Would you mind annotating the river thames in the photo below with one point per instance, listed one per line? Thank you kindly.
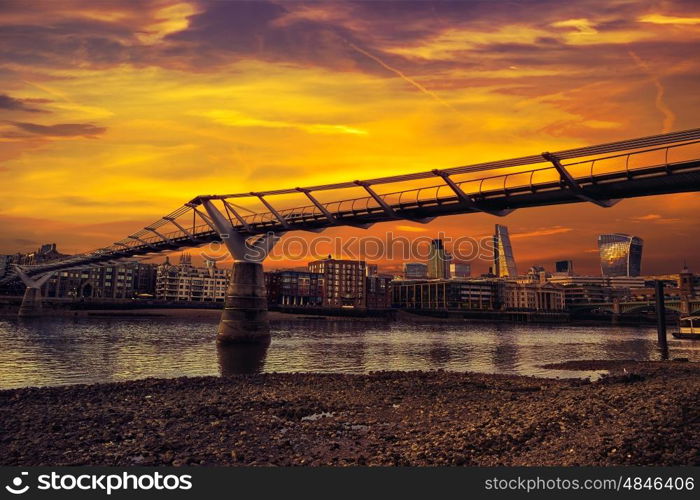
(60, 351)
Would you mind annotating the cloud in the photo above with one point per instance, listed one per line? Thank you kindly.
(411, 229)
(538, 233)
(669, 116)
(236, 119)
(663, 19)
(61, 130)
(659, 219)
(401, 75)
(84, 201)
(647, 217)
(168, 20)
(13, 104)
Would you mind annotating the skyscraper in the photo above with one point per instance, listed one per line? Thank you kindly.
(564, 266)
(438, 261)
(620, 254)
(503, 260)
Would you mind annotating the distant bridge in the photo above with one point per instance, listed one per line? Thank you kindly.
(602, 175)
(682, 306)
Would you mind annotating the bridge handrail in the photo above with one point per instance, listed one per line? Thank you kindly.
(479, 167)
(481, 180)
(631, 153)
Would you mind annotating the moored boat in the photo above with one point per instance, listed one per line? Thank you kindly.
(689, 328)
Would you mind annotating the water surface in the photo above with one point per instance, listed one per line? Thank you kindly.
(58, 351)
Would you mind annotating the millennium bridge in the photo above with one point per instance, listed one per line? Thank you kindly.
(250, 223)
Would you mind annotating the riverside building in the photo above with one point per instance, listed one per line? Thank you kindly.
(344, 283)
(447, 294)
(185, 282)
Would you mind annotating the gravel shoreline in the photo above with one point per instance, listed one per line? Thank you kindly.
(643, 413)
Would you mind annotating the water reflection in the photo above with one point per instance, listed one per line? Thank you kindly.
(59, 351)
(241, 359)
(505, 353)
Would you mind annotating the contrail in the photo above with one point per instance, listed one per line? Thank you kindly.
(404, 77)
(669, 116)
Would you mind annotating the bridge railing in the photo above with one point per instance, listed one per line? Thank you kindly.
(481, 188)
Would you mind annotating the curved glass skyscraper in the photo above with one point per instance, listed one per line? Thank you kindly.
(620, 254)
(503, 260)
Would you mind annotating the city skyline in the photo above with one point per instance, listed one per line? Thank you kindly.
(484, 264)
(111, 112)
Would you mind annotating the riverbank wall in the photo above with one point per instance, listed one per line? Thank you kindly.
(9, 306)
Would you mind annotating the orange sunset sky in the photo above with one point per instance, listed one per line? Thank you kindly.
(115, 113)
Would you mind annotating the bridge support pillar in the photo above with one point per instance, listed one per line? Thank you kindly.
(31, 305)
(244, 318)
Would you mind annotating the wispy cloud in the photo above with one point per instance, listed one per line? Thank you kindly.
(14, 104)
(663, 19)
(656, 218)
(236, 119)
(61, 129)
(647, 217)
(669, 116)
(538, 233)
(401, 75)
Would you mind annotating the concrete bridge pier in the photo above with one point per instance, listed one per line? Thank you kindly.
(244, 318)
(31, 305)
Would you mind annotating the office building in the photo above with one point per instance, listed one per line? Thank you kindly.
(607, 281)
(294, 288)
(460, 270)
(185, 282)
(447, 294)
(534, 297)
(343, 282)
(415, 270)
(620, 254)
(125, 280)
(378, 289)
(438, 261)
(586, 293)
(503, 260)
(564, 267)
